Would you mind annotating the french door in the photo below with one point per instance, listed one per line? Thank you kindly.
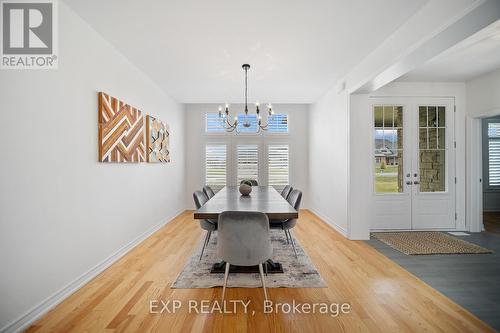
(414, 163)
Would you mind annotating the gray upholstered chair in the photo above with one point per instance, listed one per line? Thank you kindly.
(200, 199)
(252, 181)
(243, 240)
(294, 199)
(286, 191)
(208, 191)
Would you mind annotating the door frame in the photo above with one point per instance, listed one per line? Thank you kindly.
(409, 101)
(474, 169)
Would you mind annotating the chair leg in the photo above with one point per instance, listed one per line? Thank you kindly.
(263, 281)
(207, 237)
(226, 274)
(293, 243)
(286, 234)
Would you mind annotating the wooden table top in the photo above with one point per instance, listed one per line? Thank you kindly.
(263, 199)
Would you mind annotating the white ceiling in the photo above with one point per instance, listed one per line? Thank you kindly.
(194, 49)
(474, 56)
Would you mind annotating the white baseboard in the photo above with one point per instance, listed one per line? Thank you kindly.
(329, 222)
(43, 307)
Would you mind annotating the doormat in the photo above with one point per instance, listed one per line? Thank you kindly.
(427, 242)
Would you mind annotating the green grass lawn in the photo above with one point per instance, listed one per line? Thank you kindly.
(386, 184)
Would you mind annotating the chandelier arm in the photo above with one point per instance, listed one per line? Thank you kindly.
(233, 127)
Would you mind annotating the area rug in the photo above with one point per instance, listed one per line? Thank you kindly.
(298, 273)
(427, 242)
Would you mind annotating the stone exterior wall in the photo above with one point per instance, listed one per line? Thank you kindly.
(399, 161)
(432, 163)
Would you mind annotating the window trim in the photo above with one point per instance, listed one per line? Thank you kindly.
(486, 158)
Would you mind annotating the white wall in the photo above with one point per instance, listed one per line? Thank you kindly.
(328, 159)
(61, 212)
(483, 99)
(361, 156)
(483, 94)
(298, 118)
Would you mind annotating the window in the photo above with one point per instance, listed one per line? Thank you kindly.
(278, 166)
(215, 166)
(432, 148)
(493, 152)
(388, 122)
(248, 162)
(213, 123)
(247, 123)
(278, 123)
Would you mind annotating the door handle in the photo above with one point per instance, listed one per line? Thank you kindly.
(408, 183)
(416, 182)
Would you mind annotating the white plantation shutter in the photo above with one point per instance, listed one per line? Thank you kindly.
(494, 154)
(213, 123)
(278, 166)
(215, 166)
(248, 162)
(278, 123)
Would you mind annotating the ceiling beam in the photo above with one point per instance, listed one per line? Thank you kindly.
(434, 29)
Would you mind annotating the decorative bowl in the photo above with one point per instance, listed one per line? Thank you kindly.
(245, 189)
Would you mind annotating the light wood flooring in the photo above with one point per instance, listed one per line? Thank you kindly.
(384, 297)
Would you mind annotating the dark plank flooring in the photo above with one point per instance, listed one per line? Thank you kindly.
(473, 281)
(492, 222)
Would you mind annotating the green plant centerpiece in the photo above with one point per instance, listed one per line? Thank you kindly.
(245, 187)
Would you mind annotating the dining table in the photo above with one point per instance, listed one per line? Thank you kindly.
(263, 199)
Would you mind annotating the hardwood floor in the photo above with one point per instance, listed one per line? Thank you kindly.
(383, 296)
(491, 222)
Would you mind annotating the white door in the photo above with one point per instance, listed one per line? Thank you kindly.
(433, 165)
(414, 169)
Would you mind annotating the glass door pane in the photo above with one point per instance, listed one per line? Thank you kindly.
(388, 154)
(432, 148)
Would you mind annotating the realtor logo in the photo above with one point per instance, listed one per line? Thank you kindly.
(29, 39)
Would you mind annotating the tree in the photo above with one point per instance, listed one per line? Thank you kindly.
(382, 164)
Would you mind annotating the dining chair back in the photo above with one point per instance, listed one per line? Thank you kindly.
(286, 191)
(243, 240)
(294, 199)
(208, 191)
(200, 199)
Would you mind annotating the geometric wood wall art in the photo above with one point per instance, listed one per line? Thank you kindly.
(121, 131)
(157, 140)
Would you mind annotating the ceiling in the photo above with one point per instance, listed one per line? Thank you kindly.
(474, 56)
(194, 49)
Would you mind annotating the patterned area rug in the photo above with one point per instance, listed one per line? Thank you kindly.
(298, 273)
(427, 242)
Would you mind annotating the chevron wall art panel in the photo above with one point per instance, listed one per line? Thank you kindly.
(157, 140)
(121, 131)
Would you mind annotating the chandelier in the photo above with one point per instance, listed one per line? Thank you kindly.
(224, 116)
